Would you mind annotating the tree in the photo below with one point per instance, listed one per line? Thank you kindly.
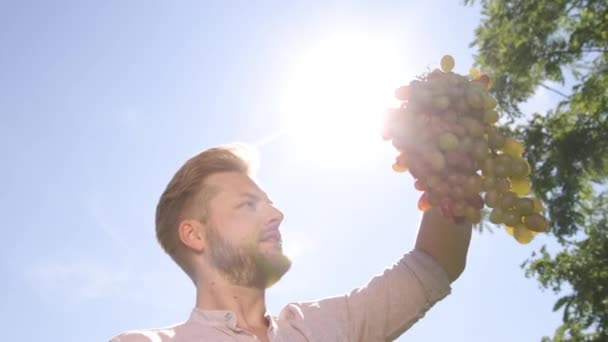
(529, 44)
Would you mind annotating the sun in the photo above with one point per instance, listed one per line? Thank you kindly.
(336, 95)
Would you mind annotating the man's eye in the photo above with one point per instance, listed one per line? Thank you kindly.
(249, 204)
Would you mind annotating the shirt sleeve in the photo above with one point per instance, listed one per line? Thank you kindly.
(383, 309)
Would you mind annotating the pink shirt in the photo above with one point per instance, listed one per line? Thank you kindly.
(382, 310)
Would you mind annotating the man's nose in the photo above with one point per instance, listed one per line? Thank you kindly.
(276, 215)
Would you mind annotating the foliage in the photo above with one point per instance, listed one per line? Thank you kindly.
(531, 44)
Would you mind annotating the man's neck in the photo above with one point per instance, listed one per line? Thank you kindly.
(247, 303)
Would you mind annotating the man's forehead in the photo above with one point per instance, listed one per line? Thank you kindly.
(234, 183)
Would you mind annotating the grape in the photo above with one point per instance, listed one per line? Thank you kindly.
(513, 147)
(456, 178)
(509, 199)
(448, 142)
(538, 205)
(441, 188)
(436, 160)
(475, 201)
(474, 97)
(472, 215)
(458, 192)
(520, 186)
(458, 209)
(490, 116)
(474, 73)
(520, 168)
(399, 168)
(446, 136)
(497, 216)
(459, 130)
(524, 206)
(473, 184)
(522, 234)
(489, 102)
(536, 222)
(441, 102)
(496, 140)
(488, 167)
(503, 166)
(419, 185)
(492, 198)
(466, 144)
(511, 218)
(502, 184)
(445, 205)
(489, 183)
(423, 202)
(447, 63)
(479, 150)
(473, 126)
(485, 80)
(402, 93)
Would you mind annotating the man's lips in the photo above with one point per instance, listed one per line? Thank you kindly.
(271, 234)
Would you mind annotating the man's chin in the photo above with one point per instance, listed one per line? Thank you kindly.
(273, 267)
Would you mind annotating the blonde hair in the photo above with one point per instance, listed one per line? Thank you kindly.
(187, 188)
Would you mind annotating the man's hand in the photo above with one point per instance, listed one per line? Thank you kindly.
(444, 240)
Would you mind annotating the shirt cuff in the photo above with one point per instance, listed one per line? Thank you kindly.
(434, 278)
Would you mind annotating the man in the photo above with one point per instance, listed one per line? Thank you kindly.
(223, 231)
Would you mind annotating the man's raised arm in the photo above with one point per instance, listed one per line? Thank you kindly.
(444, 240)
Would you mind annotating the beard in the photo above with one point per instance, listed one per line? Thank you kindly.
(246, 266)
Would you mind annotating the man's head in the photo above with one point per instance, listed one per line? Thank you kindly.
(213, 216)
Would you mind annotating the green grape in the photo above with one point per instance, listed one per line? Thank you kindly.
(522, 234)
(441, 102)
(436, 160)
(503, 165)
(492, 198)
(489, 183)
(490, 116)
(474, 127)
(472, 215)
(466, 144)
(513, 147)
(520, 168)
(509, 200)
(538, 205)
(447, 63)
(536, 222)
(448, 142)
(511, 218)
(495, 139)
(503, 184)
(520, 186)
(480, 149)
(473, 184)
(489, 102)
(488, 168)
(474, 97)
(524, 206)
(497, 216)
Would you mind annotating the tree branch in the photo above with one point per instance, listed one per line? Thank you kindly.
(554, 90)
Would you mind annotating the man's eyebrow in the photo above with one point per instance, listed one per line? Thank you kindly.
(256, 197)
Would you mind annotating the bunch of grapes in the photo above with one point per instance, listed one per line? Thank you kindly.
(446, 135)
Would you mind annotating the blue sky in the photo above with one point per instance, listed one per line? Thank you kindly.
(101, 102)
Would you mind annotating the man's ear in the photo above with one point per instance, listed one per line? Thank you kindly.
(191, 234)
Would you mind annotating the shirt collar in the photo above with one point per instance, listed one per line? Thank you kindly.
(226, 318)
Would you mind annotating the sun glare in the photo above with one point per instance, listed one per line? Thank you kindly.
(336, 96)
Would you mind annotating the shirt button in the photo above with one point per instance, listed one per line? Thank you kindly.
(228, 316)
